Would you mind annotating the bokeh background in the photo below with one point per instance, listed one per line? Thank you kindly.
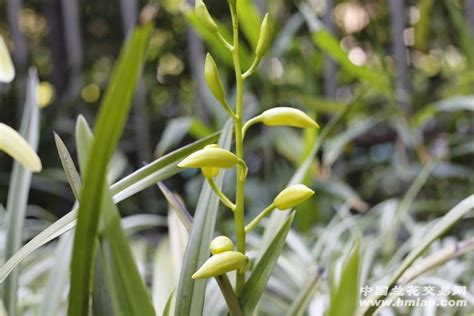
(408, 62)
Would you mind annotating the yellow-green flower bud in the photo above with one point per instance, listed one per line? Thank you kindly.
(221, 263)
(211, 74)
(221, 244)
(210, 157)
(7, 71)
(287, 116)
(209, 172)
(18, 148)
(205, 17)
(292, 196)
(265, 37)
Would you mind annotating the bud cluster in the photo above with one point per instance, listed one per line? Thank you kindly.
(211, 159)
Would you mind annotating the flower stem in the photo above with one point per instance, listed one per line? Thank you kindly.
(221, 195)
(259, 217)
(239, 215)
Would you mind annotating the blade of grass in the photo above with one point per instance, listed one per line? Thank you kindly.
(249, 20)
(110, 123)
(168, 310)
(177, 205)
(129, 294)
(406, 203)
(186, 220)
(141, 179)
(68, 166)
(345, 297)
(18, 192)
(190, 293)
(257, 282)
(442, 226)
(302, 301)
(102, 301)
(58, 277)
(164, 280)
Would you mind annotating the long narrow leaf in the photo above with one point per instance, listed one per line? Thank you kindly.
(141, 179)
(348, 288)
(443, 225)
(129, 292)
(257, 282)
(18, 192)
(110, 123)
(190, 293)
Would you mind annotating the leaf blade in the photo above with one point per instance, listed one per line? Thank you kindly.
(110, 123)
(255, 285)
(190, 293)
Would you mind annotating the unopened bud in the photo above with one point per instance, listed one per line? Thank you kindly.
(221, 244)
(211, 74)
(205, 17)
(18, 148)
(287, 116)
(7, 71)
(292, 196)
(221, 263)
(211, 158)
(210, 172)
(265, 38)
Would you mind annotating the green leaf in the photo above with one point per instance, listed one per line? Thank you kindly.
(110, 123)
(101, 298)
(441, 227)
(302, 301)
(128, 292)
(167, 311)
(257, 282)
(330, 45)
(177, 205)
(58, 277)
(164, 275)
(141, 179)
(344, 299)
(175, 131)
(68, 166)
(249, 20)
(190, 293)
(18, 192)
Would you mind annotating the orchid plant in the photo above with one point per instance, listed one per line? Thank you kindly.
(212, 159)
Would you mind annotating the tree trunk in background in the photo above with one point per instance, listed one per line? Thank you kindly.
(20, 51)
(72, 39)
(141, 125)
(330, 70)
(56, 45)
(470, 14)
(397, 17)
